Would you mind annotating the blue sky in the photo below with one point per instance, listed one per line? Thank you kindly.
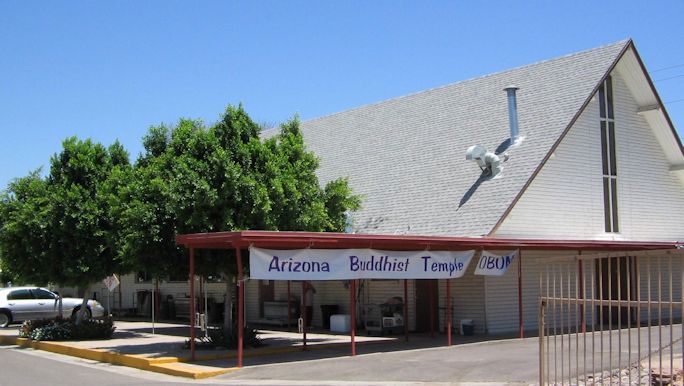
(109, 70)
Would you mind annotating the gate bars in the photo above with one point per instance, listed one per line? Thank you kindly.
(610, 318)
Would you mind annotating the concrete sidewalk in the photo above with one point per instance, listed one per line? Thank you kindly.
(135, 345)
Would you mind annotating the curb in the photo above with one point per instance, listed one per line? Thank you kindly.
(163, 365)
(261, 352)
(176, 366)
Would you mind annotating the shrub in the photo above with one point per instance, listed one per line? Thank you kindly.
(46, 329)
(30, 325)
(92, 329)
(219, 337)
(66, 329)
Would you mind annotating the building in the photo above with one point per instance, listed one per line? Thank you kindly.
(595, 157)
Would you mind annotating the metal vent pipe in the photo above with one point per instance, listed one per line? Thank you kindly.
(512, 113)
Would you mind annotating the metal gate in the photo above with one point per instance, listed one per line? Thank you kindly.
(611, 319)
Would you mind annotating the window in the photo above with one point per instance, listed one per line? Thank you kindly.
(609, 160)
(40, 293)
(20, 294)
(178, 277)
(143, 277)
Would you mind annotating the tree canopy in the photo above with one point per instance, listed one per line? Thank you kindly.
(222, 178)
(59, 229)
(95, 213)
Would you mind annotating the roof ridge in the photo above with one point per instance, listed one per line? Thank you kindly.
(618, 43)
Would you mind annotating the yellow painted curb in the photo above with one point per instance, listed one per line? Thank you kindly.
(175, 369)
(164, 365)
(259, 352)
(7, 340)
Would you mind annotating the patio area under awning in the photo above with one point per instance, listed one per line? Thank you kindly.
(240, 241)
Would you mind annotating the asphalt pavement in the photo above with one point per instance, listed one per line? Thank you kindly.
(327, 361)
(34, 367)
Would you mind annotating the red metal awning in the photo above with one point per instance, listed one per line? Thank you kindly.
(324, 240)
(329, 240)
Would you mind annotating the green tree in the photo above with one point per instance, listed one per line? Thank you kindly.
(60, 229)
(298, 202)
(25, 212)
(95, 214)
(223, 178)
(81, 195)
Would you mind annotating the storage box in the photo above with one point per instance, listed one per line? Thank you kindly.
(340, 323)
(467, 327)
(388, 322)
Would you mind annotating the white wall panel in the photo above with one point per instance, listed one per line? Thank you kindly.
(469, 298)
(502, 292)
(661, 275)
(565, 200)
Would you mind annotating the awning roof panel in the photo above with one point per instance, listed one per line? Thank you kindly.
(329, 240)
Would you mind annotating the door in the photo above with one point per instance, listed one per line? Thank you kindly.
(617, 282)
(426, 305)
(47, 306)
(21, 304)
(266, 294)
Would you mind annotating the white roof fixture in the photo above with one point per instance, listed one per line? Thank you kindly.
(476, 153)
(515, 139)
(489, 163)
(513, 114)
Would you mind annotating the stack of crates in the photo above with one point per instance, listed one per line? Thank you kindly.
(386, 318)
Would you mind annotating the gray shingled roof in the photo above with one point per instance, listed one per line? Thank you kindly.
(406, 156)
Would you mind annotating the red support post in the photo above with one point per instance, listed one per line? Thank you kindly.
(448, 313)
(580, 268)
(289, 306)
(520, 302)
(406, 329)
(241, 311)
(433, 300)
(191, 277)
(352, 289)
(201, 295)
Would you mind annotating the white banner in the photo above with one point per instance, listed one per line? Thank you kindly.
(494, 265)
(346, 264)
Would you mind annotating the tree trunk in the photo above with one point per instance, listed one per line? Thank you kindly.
(228, 304)
(119, 310)
(84, 305)
(60, 307)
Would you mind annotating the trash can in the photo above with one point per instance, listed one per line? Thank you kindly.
(328, 310)
(467, 327)
(143, 303)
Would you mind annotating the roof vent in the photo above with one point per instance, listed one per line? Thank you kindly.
(513, 114)
(489, 163)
